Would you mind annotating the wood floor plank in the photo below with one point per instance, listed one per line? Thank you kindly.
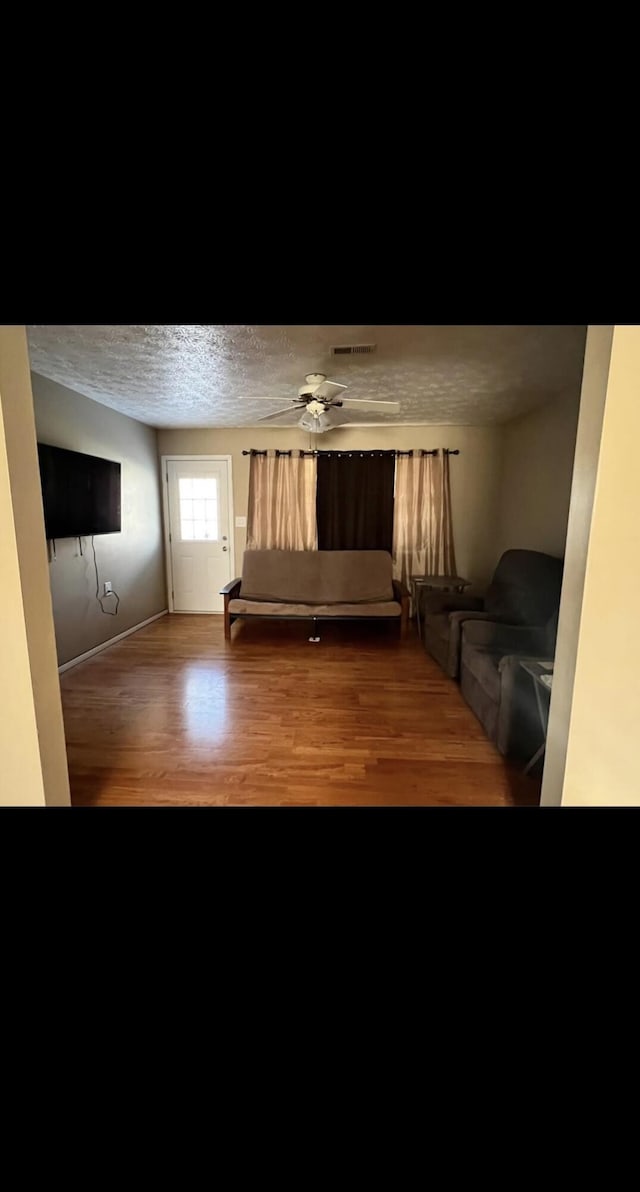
(176, 716)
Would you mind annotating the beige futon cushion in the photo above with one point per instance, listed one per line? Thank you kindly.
(316, 576)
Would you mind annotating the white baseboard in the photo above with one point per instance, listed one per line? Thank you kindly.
(111, 642)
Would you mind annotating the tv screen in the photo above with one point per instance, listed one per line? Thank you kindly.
(80, 493)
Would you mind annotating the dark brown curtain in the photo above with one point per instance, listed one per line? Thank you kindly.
(355, 501)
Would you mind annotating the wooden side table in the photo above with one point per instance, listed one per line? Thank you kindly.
(442, 583)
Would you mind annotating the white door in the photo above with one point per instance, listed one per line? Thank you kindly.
(199, 534)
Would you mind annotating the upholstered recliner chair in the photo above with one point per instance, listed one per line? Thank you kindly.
(495, 686)
(525, 590)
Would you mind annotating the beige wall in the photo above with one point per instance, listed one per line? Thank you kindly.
(603, 757)
(536, 478)
(20, 770)
(33, 764)
(592, 403)
(134, 559)
(475, 473)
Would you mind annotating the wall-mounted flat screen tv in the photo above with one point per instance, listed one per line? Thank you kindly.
(80, 493)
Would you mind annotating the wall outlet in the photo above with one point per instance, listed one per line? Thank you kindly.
(241, 523)
(108, 589)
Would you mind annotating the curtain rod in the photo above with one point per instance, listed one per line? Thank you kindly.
(419, 451)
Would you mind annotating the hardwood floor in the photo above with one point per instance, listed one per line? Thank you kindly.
(173, 715)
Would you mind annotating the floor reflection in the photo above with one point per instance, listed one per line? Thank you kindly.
(204, 703)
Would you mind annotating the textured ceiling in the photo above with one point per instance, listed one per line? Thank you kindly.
(198, 375)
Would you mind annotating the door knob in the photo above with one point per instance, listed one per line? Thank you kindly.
(224, 548)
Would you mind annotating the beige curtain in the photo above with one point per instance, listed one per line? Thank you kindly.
(422, 526)
(282, 502)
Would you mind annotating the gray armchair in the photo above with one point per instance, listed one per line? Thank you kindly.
(497, 689)
(525, 590)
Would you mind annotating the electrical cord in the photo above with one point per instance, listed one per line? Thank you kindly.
(107, 612)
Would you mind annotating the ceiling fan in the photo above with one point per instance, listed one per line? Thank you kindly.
(323, 406)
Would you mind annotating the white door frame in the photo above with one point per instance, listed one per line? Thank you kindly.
(164, 460)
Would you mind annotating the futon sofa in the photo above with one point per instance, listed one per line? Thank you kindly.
(316, 585)
(525, 590)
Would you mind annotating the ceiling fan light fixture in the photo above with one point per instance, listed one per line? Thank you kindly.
(317, 424)
(316, 408)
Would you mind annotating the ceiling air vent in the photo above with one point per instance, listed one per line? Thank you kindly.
(354, 350)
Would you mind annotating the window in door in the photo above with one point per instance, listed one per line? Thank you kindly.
(199, 520)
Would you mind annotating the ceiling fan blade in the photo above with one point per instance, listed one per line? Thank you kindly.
(328, 390)
(383, 407)
(352, 417)
(281, 413)
(258, 397)
(338, 417)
